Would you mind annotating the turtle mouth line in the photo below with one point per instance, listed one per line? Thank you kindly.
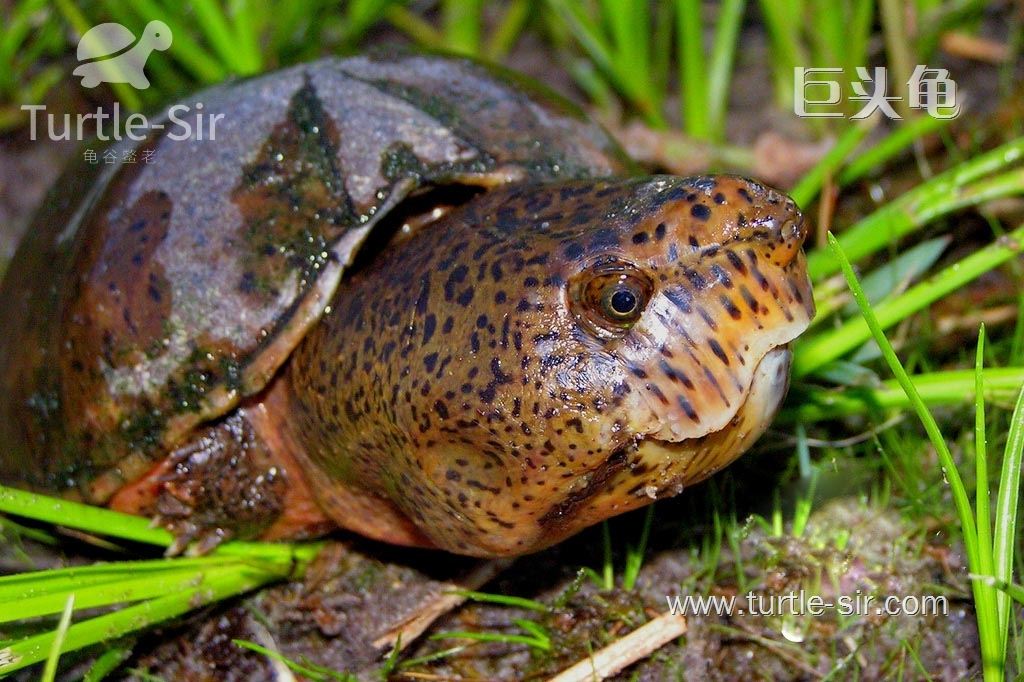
(595, 483)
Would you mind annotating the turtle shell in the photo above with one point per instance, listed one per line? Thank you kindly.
(104, 40)
(152, 295)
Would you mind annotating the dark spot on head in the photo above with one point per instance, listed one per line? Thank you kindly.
(716, 348)
(688, 409)
(430, 361)
(429, 325)
(700, 211)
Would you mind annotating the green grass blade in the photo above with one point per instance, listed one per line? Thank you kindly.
(986, 610)
(608, 57)
(414, 26)
(50, 669)
(214, 25)
(901, 137)
(888, 280)
(126, 588)
(509, 29)
(78, 22)
(32, 650)
(19, 586)
(318, 673)
(960, 499)
(203, 65)
(723, 54)
(787, 47)
(993, 657)
(248, 27)
(1007, 508)
(1012, 590)
(505, 600)
(811, 183)
(899, 50)
(528, 640)
(608, 565)
(462, 20)
(812, 353)
(107, 662)
(946, 192)
(135, 528)
(692, 70)
(936, 389)
(635, 555)
(83, 517)
(360, 15)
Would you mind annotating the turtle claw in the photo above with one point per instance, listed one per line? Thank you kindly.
(190, 539)
(207, 542)
(177, 547)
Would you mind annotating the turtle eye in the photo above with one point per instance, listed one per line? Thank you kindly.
(610, 296)
(620, 302)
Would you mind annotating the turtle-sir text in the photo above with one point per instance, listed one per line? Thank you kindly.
(182, 122)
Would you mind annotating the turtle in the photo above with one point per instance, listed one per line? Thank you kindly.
(410, 295)
(110, 53)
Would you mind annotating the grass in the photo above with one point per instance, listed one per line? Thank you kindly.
(140, 592)
(818, 350)
(29, 38)
(818, 33)
(533, 635)
(990, 551)
(308, 669)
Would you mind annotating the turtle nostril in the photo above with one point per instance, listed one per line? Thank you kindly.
(790, 237)
(794, 229)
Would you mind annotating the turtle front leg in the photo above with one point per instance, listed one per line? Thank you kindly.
(233, 480)
(224, 484)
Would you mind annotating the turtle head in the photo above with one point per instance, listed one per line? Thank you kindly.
(693, 297)
(684, 294)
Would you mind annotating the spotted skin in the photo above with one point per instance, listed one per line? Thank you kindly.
(468, 387)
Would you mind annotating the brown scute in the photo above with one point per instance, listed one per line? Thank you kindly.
(538, 425)
(291, 197)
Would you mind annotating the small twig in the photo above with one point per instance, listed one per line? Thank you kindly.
(624, 652)
(780, 649)
(826, 207)
(406, 632)
(977, 48)
(856, 439)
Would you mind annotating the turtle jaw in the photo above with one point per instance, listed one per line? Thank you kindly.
(652, 466)
(685, 461)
